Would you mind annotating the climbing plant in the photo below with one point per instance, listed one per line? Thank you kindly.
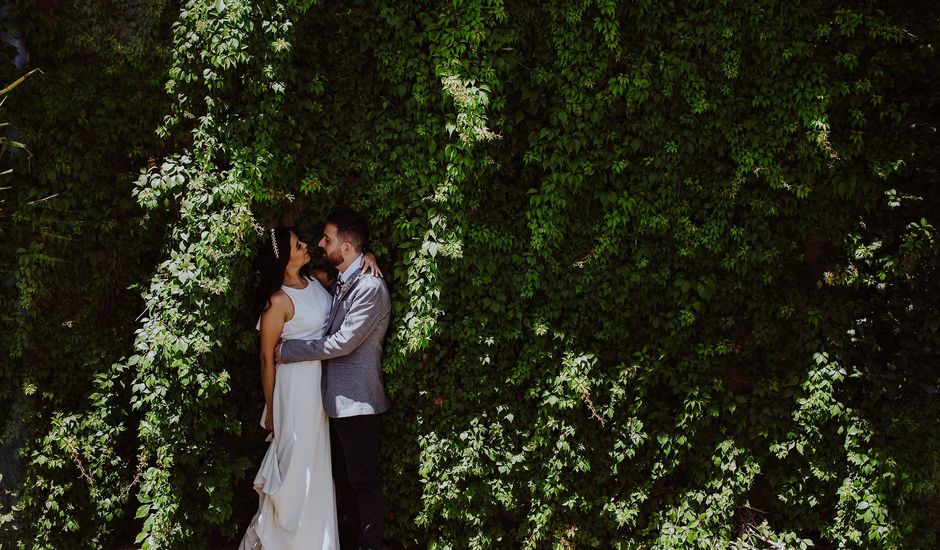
(663, 275)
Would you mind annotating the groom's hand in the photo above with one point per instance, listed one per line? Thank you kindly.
(277, 352)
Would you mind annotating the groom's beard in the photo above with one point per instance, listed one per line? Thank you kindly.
(333, 258)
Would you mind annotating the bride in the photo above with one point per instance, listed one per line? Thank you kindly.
(296, 506)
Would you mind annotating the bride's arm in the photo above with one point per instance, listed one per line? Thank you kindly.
(320, 275)
(272, 323)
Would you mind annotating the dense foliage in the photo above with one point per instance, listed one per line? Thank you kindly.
(664, 274)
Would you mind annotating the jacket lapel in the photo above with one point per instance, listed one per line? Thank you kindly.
(340, 294)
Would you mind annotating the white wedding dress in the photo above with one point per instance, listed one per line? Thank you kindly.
(296, 507)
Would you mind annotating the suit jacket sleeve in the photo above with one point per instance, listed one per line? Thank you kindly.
(370, 305)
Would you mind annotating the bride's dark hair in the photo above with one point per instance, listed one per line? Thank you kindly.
(270, 267)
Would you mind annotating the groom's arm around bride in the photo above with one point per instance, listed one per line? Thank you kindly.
(361, 310)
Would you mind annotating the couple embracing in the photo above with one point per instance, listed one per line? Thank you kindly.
(321, 345)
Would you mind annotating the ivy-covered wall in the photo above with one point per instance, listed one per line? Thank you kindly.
(664, 274)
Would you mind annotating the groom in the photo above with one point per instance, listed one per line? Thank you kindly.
(353, 392)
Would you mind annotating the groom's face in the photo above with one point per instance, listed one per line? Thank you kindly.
(331, 246)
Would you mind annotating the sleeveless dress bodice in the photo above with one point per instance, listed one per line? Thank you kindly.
(311, 308)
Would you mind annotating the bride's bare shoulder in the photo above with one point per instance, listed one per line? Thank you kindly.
(281, 301)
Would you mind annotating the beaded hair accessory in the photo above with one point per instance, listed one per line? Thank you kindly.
(277, 255)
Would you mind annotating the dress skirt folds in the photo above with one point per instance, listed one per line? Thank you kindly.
(296, 506)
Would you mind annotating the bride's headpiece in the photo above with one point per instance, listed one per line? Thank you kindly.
(277, 255)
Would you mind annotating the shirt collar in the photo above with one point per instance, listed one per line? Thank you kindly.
(345, 275)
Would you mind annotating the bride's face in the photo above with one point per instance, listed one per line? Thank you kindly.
(299, 255)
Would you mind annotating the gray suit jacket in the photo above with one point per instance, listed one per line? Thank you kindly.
(351, 349)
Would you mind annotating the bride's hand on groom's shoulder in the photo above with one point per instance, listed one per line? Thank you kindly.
(369, 264)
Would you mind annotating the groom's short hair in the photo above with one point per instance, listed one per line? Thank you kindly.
(351, 226)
